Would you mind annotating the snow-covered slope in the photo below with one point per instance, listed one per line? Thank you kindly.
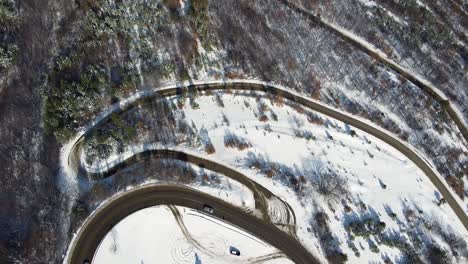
(291, 151)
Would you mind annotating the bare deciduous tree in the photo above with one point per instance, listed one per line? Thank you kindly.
(326, 181)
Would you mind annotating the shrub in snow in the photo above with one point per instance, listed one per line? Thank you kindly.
(363, 206)
(304, 134)
(225, 120)
(181, 101)
(337, 257)
(273, 115)
(435, 254)
(194, 104)
(382, 184)
(296, 106)
(219, 100)
(205, 138)
(366, 228)
(348, 209)
(263, 118)
(184, 130)
(354, 248)
(257, 162)
(296, 121)
(308, 135)
(209, 148)
(313, 118)
(233, 141)
(410, 215)
(262, 108)
(281, 172)
(268, 128)
(329, 243)
(458, 246)
(278, 100)
(374, 248)
(321, 219)
(457, 184)
(392, 215)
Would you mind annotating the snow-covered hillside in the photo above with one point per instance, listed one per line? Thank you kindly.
(63, 62)
(351, 192)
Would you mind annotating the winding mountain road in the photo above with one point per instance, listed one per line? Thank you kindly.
(107, 216)
(262, 195)
(97, 225)
(72, 160)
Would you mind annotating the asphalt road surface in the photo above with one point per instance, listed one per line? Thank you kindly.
(261, 194)
(99, 224)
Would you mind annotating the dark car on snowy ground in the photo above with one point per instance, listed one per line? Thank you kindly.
(234, 251)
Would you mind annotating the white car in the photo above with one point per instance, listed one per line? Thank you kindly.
(208, 209)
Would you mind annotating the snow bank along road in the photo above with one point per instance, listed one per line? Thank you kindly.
(368, 48)
(99, 224)
(70, 157)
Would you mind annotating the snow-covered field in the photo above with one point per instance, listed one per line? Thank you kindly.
(153, 235)
(291, 151)
(377, 175)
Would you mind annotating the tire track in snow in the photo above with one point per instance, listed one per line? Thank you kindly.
(262, 259)
(193, 241)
